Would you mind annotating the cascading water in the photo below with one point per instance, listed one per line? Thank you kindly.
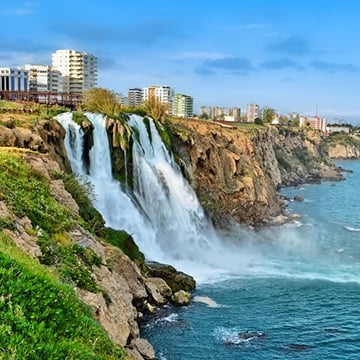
(73, 143)
(168, 223)
(116, 207)
(166, 197)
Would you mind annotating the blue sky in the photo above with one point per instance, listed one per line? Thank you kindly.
(287, 54)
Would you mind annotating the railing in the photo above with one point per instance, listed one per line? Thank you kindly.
(43, 97)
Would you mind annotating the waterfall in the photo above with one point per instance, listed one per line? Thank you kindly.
(166, 220)
(168, 200)
(116, 207)
(73, 143)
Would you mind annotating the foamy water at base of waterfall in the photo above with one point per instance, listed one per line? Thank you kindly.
(296, 297)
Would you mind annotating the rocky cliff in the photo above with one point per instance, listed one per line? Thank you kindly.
(115, 287)
(344, 149)
(236, 171)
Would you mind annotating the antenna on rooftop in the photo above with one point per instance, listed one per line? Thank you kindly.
(316, 111)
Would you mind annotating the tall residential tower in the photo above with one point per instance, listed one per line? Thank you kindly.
(78, 70)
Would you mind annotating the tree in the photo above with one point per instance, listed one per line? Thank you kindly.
(102, 100)
(268, 115)
(155, 108)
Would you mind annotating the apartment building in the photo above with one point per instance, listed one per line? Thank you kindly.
(314, 122)
(43, 78)
(164, 94)
(219, 112)
(235, 112)
(78, 70)
(135, 96)
(183, 106)
(13, 79)
(252, 112)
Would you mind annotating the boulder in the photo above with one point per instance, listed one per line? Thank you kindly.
(7, 137)
(298, 198)
(57, 189)
(177, 280)
(159, 290)
(144, 348)
(181, 298)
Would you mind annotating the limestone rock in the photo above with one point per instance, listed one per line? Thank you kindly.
(131, 274)
(7, 137)
(181, 298)
(144, 348)
(343, 151)
(236, 171)
(57, 189)
(133, 354)
(53, 135)
(118, 317)
(22, 238)
(298, 198)
(177, 280)
(159, 290)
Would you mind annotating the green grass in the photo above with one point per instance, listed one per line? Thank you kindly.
(41, 318)
(27, 193)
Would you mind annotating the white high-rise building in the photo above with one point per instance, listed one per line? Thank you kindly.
(78, 70)
(183, 106)
(164, 94)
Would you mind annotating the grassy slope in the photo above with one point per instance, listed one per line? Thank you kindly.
(40, 315)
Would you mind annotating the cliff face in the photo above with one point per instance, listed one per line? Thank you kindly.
(120, 293)
(344, 151)
(237, 171)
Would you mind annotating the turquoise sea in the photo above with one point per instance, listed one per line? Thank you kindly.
(296, 297)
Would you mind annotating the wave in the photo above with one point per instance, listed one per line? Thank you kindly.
(168, 319)
(234, 336)
(206, 300)
(351, 229)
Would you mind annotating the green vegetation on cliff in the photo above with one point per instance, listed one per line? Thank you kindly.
(41, 318)
(341, 139)
(40, 315)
